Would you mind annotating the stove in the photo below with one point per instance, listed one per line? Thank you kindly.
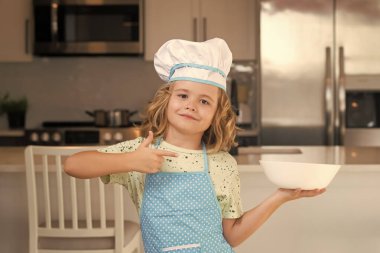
(79, 133)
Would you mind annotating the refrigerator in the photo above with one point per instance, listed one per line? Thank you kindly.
(311, 52)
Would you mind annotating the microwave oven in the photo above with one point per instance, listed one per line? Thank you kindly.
(88, 27)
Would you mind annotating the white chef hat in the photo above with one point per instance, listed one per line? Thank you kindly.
(206, 62)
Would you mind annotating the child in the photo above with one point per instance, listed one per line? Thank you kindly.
(182, 180)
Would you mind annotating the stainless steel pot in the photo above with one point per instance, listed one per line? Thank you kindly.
(101, 117)
(112, 118)
(121, 117)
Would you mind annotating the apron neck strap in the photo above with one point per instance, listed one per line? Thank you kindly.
(205, 158)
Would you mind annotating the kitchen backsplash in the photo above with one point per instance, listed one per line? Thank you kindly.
(63, 88)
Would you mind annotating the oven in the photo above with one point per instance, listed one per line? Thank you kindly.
(77, 136)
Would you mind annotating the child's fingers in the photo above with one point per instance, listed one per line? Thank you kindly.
(148, 140)
(165, 153)
(312, 193)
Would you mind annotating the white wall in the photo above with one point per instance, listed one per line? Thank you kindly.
(61, 88)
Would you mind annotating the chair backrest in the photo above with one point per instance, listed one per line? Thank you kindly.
(61, 206)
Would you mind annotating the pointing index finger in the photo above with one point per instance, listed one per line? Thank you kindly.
(165, 153)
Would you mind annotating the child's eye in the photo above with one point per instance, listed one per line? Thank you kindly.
(205, 102)
(182, 95)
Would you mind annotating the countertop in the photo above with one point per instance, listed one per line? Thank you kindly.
(352, 158)
(344, 219)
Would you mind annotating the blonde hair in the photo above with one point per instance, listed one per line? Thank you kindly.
(220, 136)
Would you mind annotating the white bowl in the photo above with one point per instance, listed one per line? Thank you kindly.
(293, 175)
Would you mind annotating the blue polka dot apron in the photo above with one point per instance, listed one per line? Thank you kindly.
(180, 213)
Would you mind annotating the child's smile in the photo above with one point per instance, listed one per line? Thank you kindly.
(188, 116)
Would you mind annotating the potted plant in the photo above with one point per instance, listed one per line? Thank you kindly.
(15, 110)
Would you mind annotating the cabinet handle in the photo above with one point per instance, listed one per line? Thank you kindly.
(195, 24)
(204, 29)
(54, 20)
(27, 36)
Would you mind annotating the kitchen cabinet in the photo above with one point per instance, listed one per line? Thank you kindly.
(199, 20)
(15, 31)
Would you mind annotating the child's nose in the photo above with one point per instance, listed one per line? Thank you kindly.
(191, 106)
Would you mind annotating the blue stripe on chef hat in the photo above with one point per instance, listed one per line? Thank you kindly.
(198, 80)
(206, 62)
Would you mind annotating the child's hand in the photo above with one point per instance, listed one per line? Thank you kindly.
(148, 160)
(292, 194)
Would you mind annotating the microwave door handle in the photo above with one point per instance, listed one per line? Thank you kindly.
(195, 29)
(329, 99)
(54, 20)
(204, 29)
(341, 97)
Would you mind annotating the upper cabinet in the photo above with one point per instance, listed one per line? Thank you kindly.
(200, 20)
(15, 30)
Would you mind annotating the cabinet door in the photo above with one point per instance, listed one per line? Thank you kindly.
(15, 30)
(169, 19)
(233, 21)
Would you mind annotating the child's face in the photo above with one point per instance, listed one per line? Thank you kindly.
(192, 107)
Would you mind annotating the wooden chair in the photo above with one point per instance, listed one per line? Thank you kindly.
(74, 215)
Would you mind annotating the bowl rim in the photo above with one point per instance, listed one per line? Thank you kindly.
(299, 163)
